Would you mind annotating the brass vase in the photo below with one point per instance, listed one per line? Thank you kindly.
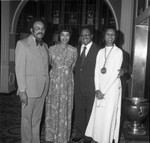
(136, 110)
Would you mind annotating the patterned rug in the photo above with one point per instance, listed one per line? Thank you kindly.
(10, 116)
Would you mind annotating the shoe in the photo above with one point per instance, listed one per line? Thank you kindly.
(93, 141)
(71, 141)
(81, 140)
(74, 136)
(76, 139)
(87, 139)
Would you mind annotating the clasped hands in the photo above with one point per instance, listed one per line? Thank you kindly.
(23, 98)
(99, 95)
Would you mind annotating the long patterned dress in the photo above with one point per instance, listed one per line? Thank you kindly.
(104, 122)
(59, 102)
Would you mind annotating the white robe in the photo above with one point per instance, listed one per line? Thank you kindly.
(104, 122)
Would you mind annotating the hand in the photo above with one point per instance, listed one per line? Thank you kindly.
(23, 98)
(121, 72)
(99, 95)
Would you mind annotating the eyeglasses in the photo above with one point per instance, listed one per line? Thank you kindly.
(38, 28)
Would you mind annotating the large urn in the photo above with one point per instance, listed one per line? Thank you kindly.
(136, 110)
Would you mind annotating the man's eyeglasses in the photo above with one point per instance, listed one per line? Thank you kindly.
(38, 28)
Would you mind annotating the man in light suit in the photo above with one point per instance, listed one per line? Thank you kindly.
(33, 80)
(84, 84)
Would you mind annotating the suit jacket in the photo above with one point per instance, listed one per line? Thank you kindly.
(84, 74)
(31, 68)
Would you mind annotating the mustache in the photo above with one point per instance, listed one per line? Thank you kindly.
(40, 33)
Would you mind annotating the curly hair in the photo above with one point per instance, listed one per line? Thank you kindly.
(64, 29)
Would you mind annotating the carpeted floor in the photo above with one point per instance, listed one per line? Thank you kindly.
(10, 116)
(10, 113)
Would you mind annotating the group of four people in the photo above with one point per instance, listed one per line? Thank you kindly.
(85, 79)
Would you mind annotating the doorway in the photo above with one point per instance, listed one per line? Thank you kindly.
(72, 13)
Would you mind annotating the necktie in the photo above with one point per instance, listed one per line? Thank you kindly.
(39, 42)
(40, 48)
(83, 56)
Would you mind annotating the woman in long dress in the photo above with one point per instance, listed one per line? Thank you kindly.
(104, 122)
(59, 102)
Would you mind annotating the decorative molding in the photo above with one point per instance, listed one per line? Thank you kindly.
(116, 21)
(16, 15)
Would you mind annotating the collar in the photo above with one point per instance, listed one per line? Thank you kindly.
(33, 38)
(88, 46)
(110, 46)
(36, 41)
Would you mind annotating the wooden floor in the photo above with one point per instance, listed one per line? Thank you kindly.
(10, 115)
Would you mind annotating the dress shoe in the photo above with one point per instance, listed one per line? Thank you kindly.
(87, 139)
(93, 141)
(71, 141)
(76, 139)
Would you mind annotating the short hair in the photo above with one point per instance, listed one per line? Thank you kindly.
(105, 30)
(32, 21)
(89, 27)
(64, 29)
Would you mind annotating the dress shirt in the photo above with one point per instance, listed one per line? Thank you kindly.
(87, 48)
